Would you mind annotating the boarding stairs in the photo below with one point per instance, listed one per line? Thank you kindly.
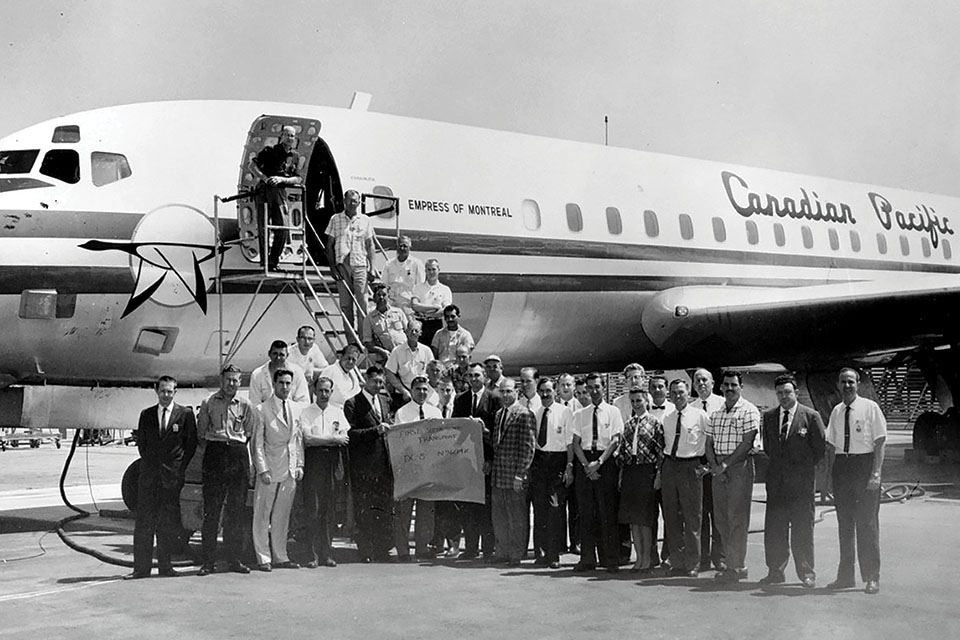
(299, 272)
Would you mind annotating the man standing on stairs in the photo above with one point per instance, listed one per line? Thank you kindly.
(276, 167)
(350, 250)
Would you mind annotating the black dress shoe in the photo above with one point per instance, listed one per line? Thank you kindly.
(809, 582)
(287, 565)
(773, 578)
(841, 583)
(541, 562)
(693, 573)
(730, 575)
(582, 567)
(554, 565)
(330, 562)
(467, 555)
(514, 563)
(366, 559)
(313, 564)
(404, 558)
(263, 566)
(613, 568)
(207, 569)
(169, 572)
(239, 567)
(574, 549)
(873, 586)
(136, 575)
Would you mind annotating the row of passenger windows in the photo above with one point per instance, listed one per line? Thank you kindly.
(651, 225)
(64, 165)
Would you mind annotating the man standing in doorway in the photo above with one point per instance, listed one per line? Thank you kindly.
(276, 167)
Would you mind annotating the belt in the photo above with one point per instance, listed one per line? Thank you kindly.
(840, 454)
(680, 459)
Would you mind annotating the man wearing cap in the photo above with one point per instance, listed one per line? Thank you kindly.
(493, 369)
(857, 434)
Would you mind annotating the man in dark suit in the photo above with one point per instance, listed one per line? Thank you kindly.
(166, 439)
(478, 401)
(793, 438)
(371, 478)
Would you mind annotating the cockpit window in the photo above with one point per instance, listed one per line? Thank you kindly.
(19, 184)
(62, 164)
(66, 133)
(108, 167)
(18, 161)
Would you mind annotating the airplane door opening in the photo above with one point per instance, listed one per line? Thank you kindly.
(324, 195)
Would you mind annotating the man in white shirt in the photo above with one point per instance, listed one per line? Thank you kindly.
(406, 362)
(306, 354)
(261, 380)
(596, 432)
(566, 385)
(529, 377)
(325, 432)
(551, 459)
(660, 407)
(493, 370)
(350, 250)
(634, 376)
(403, 273)
(447, 340)
(711, 545)
(346, 379)
(857, 434)
(684, 435)
(417, 409)
(278, 459)
(429, 299)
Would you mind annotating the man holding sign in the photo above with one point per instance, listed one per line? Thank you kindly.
(415, 410)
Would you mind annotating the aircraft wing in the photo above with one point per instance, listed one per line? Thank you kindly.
(717, 325)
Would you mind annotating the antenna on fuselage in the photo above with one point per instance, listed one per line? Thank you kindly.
(606, 131)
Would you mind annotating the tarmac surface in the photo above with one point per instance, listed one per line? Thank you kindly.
(48, 590)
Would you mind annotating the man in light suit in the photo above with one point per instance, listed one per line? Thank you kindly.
(371, 477)
(793, 438)
(166, 439)
(278, 458)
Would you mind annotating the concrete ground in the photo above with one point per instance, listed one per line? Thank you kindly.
(48, 590)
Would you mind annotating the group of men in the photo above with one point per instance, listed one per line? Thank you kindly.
(545, 441)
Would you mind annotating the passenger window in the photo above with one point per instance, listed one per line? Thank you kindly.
(66, 133)
(531, 214)
(686, 227)
(778, 235)
(614, 223)
(925, 247)
(904, 245)
(108, 167)
(62, 164)
(650, 223)
(834, 239)
(881, 244)
(574, 217)
(753, 234)
(807, 236)
(18, 161)
(719, 230)
(947, 253)
(854, 240)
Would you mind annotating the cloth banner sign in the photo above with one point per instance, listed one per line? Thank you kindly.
(437, 460)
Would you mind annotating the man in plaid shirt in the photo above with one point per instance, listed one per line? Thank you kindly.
(730, 437)
(514, 441)
(350, 250)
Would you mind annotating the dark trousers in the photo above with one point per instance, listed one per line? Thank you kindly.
(477, 520)
(788, 525)
(273, 200)
(711, 546)
(226, 478)
(549, 498)
(597, 500)
(682, 504)
(158, 514)
(446, 523)
(429, 329)
(373, 512)
(858, 516)
(320, 499)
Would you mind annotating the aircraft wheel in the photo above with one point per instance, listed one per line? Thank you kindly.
(57, 442)
(129, 486)
(926, 433)
(34, 444)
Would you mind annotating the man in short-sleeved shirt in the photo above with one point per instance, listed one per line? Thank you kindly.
(429, 299)
(730, 439)
(261, 380)
(383, 328)
(407, 361)
(403, 273)
(857, 433)
(306, 354)
(550, 461)
(346, 379)
(446, 341)
(350, 249)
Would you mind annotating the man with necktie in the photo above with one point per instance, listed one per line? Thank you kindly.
(414, 411)
(660, 408)
(551, 459)
(166, 440)
(596, 432)
(857, 434)
(711, 546)
(793, 439)
(278, 459)
(684, 435)
(446, 527)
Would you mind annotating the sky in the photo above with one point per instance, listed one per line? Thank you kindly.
(862, 90)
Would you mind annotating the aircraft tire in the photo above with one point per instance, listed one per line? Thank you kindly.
(129, 486)
(926, 433)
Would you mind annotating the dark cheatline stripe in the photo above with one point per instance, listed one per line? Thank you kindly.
(104, 225)
(432, 243)
(119, 280)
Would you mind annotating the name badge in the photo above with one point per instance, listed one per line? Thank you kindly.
(175, 428)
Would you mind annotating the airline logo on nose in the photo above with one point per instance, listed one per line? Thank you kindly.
(171, 257)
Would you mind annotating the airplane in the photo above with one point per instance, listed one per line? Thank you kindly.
(562, 255)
